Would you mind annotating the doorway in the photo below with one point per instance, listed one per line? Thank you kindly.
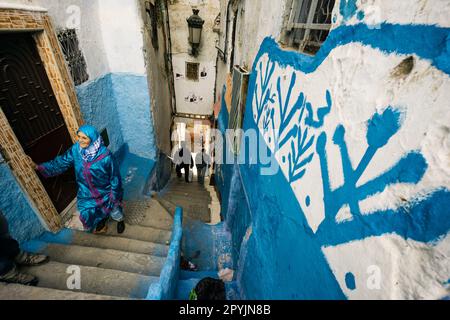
(31, 108)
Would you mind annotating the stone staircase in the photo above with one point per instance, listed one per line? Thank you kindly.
(111, 266)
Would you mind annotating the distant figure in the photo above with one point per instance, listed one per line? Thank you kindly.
(183, 160)
(202, 162)
(11, 257)
(100, 191)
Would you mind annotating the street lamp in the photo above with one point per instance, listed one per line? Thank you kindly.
(195, 24)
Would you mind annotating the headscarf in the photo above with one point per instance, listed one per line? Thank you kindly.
(97, 146)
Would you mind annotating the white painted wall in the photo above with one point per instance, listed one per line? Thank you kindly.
(201, 91)
(121, 27)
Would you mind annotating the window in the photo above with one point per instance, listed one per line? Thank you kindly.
(73, 55)
(309, 24)
(192, 71)
(150, 8)
(239, 98)
(233, 41)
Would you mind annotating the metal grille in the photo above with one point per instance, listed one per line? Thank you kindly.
(74, 57)
(192, 71)
(309, 24)
(152, 12)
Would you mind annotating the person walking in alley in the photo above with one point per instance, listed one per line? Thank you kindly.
(100, 191)
(11, 257)
(202, 162)
(183, 160)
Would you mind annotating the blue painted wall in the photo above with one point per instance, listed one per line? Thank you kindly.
(23, 222)
(234, 206)
(120, 102)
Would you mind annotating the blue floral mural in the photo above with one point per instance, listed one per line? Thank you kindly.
(299, 136)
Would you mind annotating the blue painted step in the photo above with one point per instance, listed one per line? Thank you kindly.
(189, 280)
(184, 288)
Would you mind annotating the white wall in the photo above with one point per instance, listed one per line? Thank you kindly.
(203, 90)
(109, 31)
(84, 16)
(159, 78)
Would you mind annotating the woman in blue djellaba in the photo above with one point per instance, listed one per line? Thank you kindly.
(100, 191)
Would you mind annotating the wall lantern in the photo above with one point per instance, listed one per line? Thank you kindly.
(195, 24)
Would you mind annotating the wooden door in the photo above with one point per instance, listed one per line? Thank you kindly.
(28, 101)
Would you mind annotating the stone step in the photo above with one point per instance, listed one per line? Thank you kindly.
(19, 292)
(189, 197)
(140, 233)
(85, 239)
(188, 201)
(100, 258)
(184, 288)
(182, 190)
(55, 275)
(151, 214)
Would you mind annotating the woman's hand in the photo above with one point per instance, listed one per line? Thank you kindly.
(31, 163)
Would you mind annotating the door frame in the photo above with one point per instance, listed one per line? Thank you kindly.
(37, 22)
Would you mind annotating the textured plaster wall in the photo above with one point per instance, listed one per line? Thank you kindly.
(84, 17)
(133, 108)
(120, 103)
(360, 206)
(108, 46)
(22, 219)
(255, 21)
(159, 80)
